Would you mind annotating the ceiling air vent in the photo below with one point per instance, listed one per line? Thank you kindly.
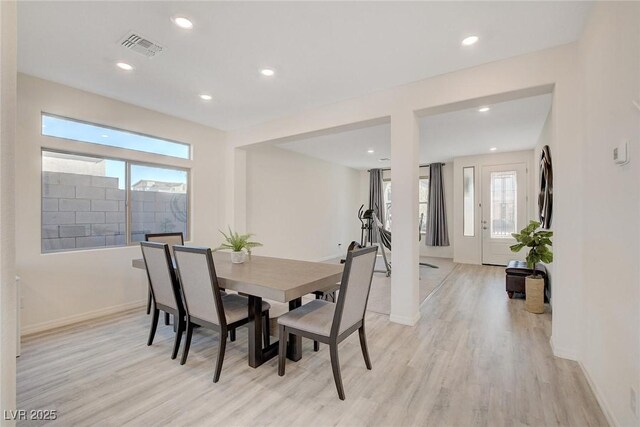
(142, 45)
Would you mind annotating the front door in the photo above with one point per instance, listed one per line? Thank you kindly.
(504, 211)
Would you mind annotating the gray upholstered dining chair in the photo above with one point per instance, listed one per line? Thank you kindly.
(164, 288)
(205, 304)
(171, 239)
(331, 323)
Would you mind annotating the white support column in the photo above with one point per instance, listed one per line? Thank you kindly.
(405, 255)
(235, 189)
(240, 191)
(8, 293)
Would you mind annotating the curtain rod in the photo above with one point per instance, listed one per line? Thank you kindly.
(421, 166)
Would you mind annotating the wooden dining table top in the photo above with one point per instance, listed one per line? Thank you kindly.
(277, 279)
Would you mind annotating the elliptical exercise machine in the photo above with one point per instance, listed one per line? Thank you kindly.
(372, 226)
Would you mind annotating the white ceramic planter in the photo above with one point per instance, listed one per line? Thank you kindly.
(238, 257)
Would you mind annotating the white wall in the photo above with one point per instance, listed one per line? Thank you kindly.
(610, 54)
(61, 288)
(493, 82)
(468, 249)
(8, 315)
(546, 138)
(300, 207)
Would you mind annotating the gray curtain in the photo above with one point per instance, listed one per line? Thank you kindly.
(376, 198)
(437, 232)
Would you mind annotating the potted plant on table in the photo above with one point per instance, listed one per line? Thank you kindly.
(538, 241)
(238, 243)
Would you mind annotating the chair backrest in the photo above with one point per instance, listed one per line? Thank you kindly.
(354, 288)
(161, 274)
(172, 239)
(202, 298)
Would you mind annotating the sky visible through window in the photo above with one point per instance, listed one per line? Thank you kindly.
(85, 132)
(114, 168)
(70, 129)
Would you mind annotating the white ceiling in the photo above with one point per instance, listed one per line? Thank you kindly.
(322, 51)
(508, 126)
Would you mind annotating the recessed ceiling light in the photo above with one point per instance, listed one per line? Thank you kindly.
(468, 41)
(493, 148)
(370, 151)
(205, 97)
(183, 22)
(124, 66)
(267, 72)
(483, 109)
(104, 136)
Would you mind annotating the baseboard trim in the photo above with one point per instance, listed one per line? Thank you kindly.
(562, 352)
(608, 414)
(330, 257)
(405, 320)
(70, 320)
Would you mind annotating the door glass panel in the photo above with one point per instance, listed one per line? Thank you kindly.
(469, 201)
(504, 193)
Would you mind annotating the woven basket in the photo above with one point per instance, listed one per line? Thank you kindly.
(534, 289)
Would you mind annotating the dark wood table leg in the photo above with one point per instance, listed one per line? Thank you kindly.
(257, 354)
(255, 331)
(294, 347)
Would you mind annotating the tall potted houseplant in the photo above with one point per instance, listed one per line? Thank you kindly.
(538, 241)
(238, 243)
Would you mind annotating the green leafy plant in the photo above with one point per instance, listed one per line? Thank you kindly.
(538, 242)
(237, 242)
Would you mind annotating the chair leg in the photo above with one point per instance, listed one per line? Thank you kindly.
(316, 344)
(363, 345)
(176, 344)
(187, 343)
(335, 365)
(149, 302)
(166, 318)
(221, 348)
(232, 335)
(266, 329)
(282, 349)
(154, 326)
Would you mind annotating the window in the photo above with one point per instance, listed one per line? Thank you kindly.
(503, 204)
(61, 127)
(158, 201)
(468, 206)
(387, 203)
(86, 201)
(423, 203)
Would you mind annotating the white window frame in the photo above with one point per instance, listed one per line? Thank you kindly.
(107, 128)
(129, 157)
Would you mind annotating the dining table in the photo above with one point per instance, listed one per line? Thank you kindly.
(277, 279)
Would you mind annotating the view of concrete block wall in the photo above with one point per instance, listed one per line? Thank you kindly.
(88, 211)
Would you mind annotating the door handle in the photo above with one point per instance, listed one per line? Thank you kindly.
(485, 228)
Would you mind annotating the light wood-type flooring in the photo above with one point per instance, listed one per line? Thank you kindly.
(474, 358)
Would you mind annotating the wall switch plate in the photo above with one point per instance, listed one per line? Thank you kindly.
(621, 153)
(633, 401)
